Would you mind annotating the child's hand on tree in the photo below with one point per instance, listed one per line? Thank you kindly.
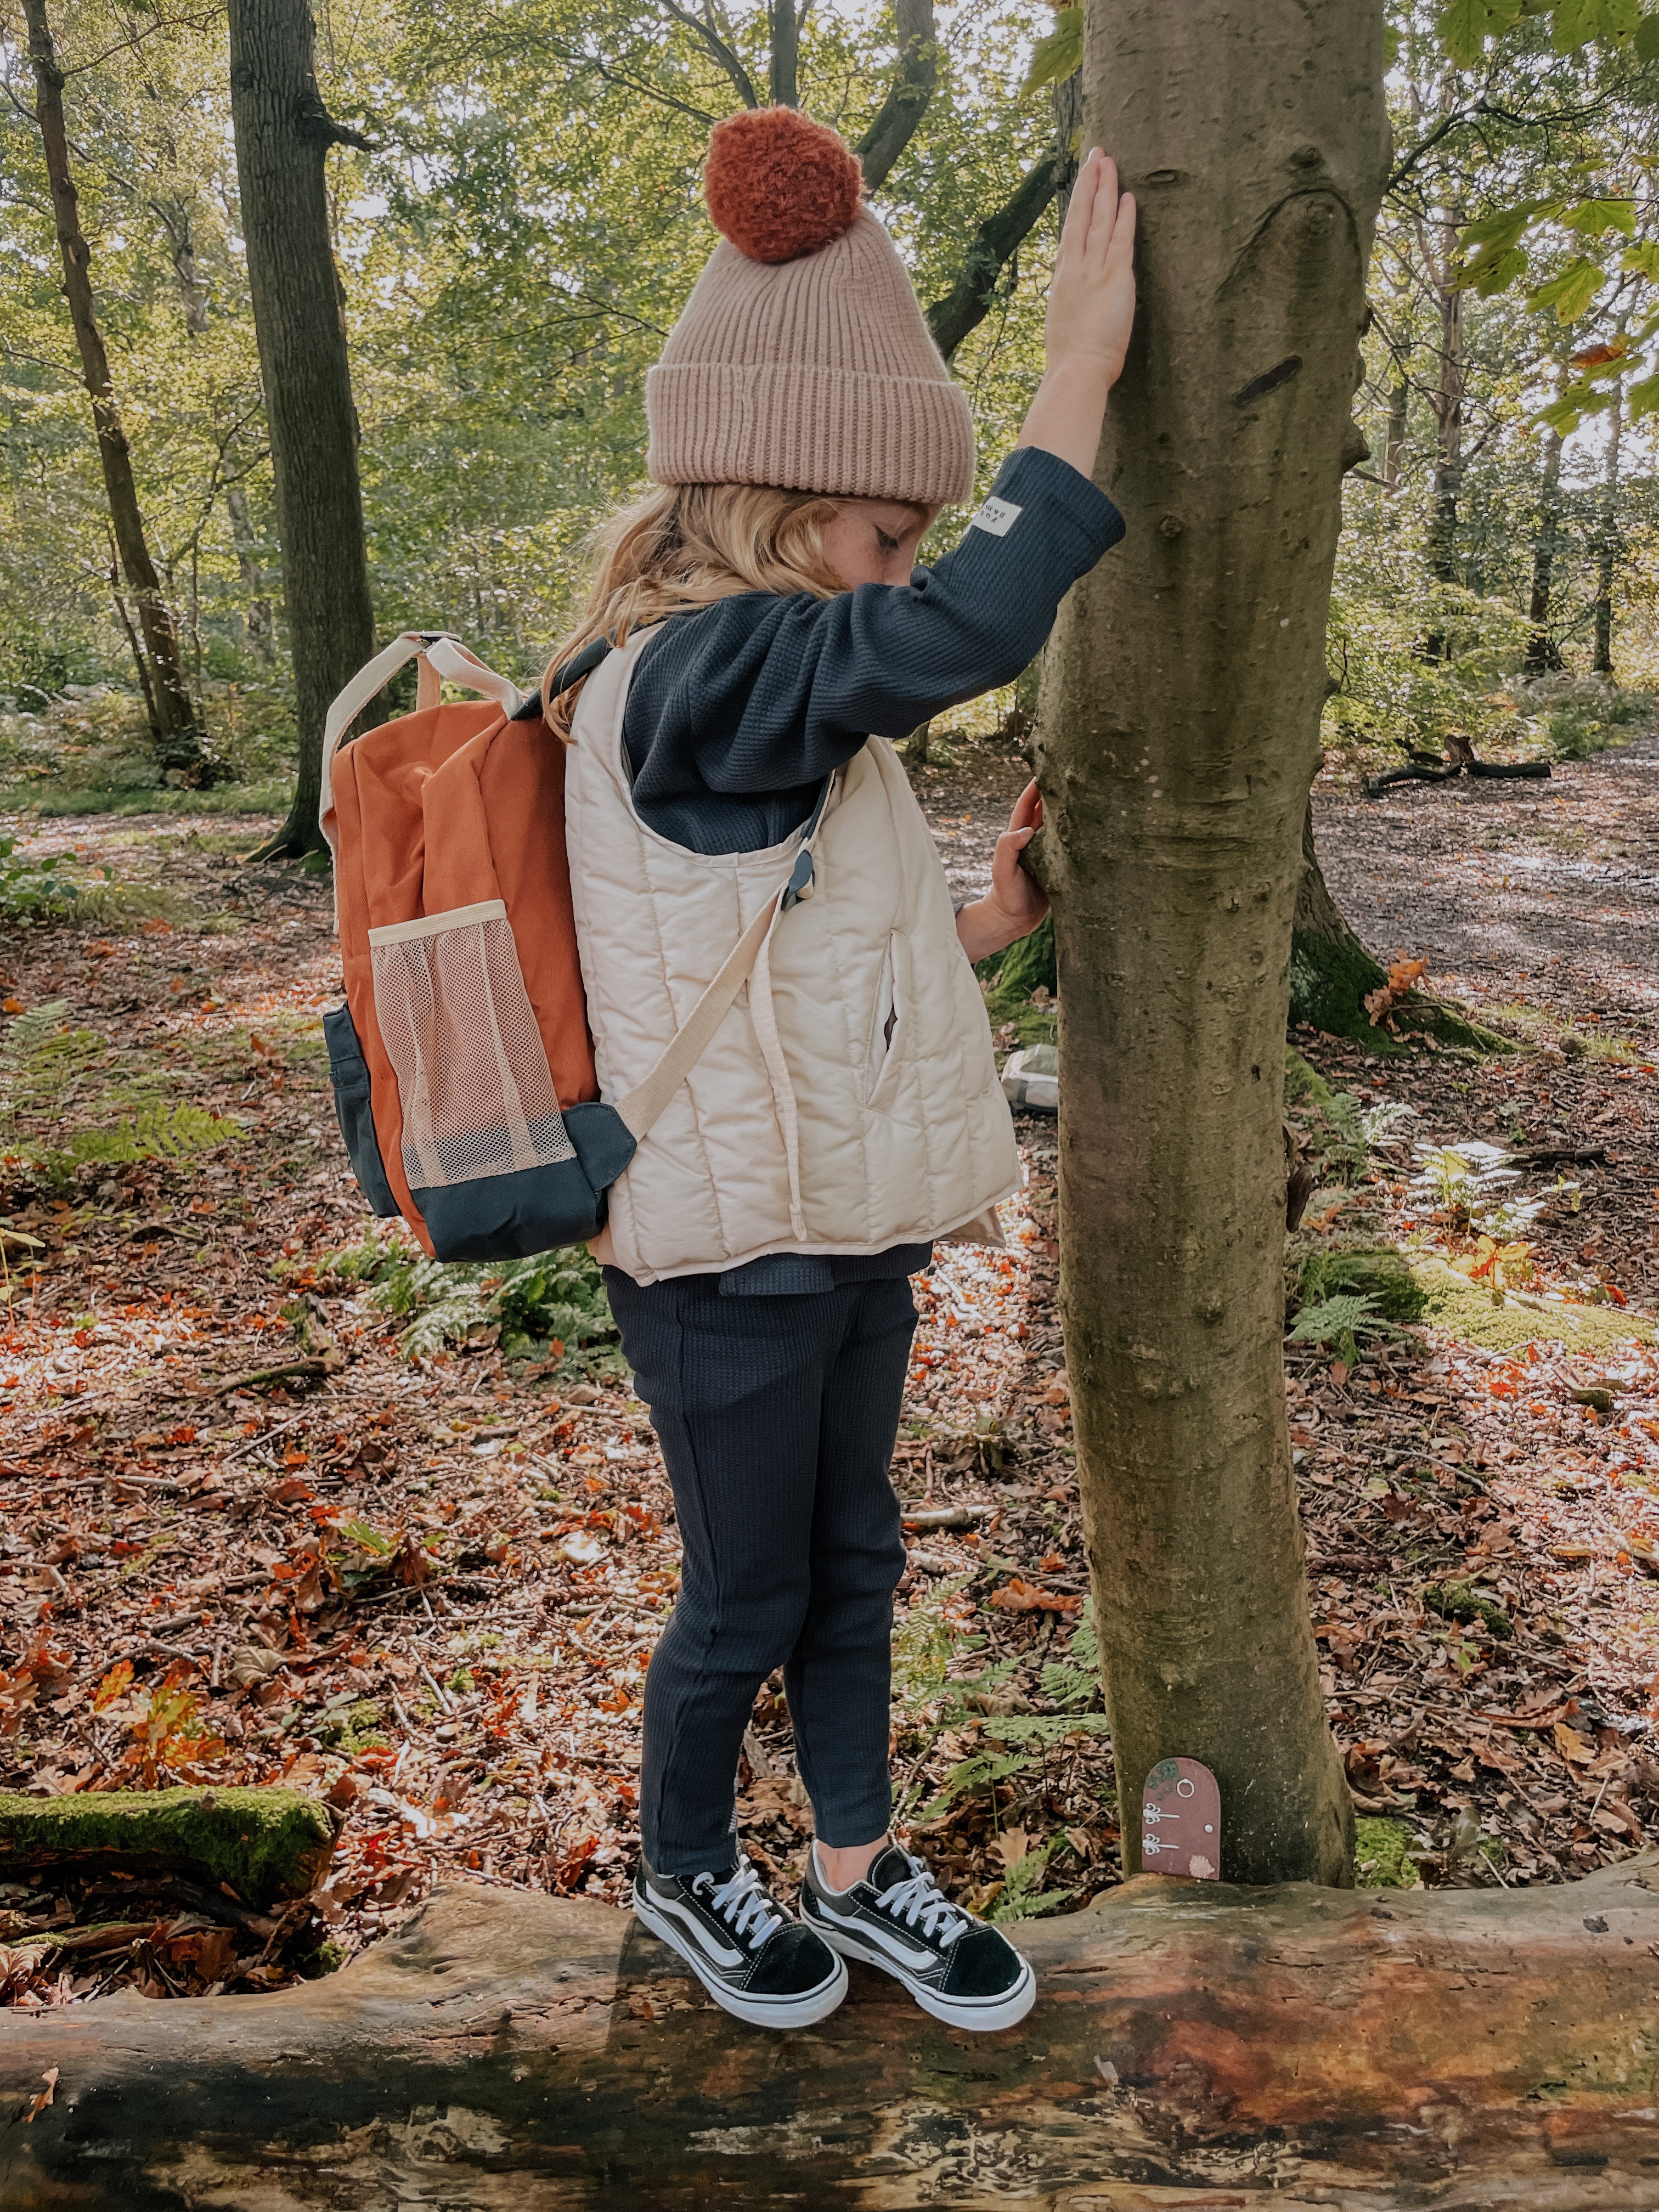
(1092, 312)
(1016, 901)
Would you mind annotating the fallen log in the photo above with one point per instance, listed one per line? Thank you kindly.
(266, 1843)
(1473, 2051)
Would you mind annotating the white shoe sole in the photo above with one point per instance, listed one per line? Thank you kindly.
(801, 2011)
(981, 2017)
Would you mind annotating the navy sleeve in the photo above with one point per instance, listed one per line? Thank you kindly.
(736, 713)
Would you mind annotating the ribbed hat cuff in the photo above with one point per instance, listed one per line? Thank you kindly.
(806, 428)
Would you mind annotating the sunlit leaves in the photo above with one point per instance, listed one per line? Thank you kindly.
(1595, 218)
(1060, 54)
(1572, 292)
(1578, 22)
(1466, 26)
(1643, 399)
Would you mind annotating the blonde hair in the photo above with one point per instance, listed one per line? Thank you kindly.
(685, 546)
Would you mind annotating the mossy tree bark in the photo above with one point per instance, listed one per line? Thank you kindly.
(172, 711)
(283, 133)
(1331, 971)
(1177, 737)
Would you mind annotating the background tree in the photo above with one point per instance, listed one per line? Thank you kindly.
(160, 665)
(283, 133)
(1178, 733)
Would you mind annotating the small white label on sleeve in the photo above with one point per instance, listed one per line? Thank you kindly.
(998, 516)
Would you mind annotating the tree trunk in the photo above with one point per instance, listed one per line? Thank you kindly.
(1447, 489)
(967, 302)
(1394, 438)
(1331, 971)
(258, 627)
(786, 53)
(908, 95)
(283, 133)
(172, 711)
(1607, 537)
(174, 215)
(1482, 2050)
(1542, 651)
(1177, 737)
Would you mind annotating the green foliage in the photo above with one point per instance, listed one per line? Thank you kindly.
(1059, 55)
(1391, 693)
(1461, 1602)
(44, 1064)
(1337, 1321)
(1019, 1898)
(32, 890)
(1382, 1852)
(1384, 1277)
(553, 1303)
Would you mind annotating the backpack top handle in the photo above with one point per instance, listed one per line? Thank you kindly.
(440, 655)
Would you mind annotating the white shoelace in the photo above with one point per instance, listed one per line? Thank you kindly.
(742, 1903)
(920, 1901)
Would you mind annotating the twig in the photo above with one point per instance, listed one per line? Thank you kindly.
(307, 1368)
(253, 1444)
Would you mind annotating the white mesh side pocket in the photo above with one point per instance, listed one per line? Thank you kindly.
(472, 1075)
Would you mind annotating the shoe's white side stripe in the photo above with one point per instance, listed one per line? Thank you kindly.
(721, 1953)
(912, 1955)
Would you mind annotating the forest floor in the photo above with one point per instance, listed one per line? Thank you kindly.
(420, 1571)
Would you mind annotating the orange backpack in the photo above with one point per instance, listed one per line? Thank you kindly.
(461, 1061)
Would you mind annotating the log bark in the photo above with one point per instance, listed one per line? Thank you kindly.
(1469, 2051)
(1178, 732)
(167, 689)
(283, 133)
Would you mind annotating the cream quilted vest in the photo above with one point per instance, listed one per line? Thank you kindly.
(848, 1101)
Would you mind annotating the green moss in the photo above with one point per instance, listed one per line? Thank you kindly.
(1009, 979)
(266, 1844)
(1461, 1602)
(1305, 1085)
(1468, 1310)
(1330, 981)
(1029, 964)
(1380, 1849)
(1381, 1274)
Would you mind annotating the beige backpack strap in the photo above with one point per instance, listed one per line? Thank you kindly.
(697, 1032)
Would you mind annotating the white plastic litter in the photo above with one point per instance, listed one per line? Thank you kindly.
(1030, 1080)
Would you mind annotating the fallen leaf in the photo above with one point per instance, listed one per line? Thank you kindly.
(42, 2097)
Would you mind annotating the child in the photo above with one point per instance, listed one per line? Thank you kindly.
(722, 784)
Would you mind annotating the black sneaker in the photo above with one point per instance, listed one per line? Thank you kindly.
(750, 1956)
(899, 1918)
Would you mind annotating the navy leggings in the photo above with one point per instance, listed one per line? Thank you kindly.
(777, 1418)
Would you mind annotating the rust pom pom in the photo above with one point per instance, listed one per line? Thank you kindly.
(780, 185)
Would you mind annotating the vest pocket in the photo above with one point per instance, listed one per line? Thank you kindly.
(473, 1080)
(886, 1023)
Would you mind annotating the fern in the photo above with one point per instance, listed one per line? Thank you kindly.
(554, 1297)
(1074, 1681)
(1021, 1899)
(984, 1770)
(1333, 1319)
(1044, 1728)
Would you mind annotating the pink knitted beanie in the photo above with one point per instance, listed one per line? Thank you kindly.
(801, 358)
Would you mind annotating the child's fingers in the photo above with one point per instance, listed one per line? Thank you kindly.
(1121, 251)
(1102, 214)
(1074, 231)
(1028, 810)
